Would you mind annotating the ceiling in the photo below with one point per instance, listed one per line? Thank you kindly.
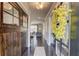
(35, 13)
(39, 13)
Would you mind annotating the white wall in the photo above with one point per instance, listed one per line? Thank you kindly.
(47, 32)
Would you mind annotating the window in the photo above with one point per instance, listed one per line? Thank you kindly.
(11, 15)
(16, 13)
(8, 19)
(24, 21)
(33, 28)
(16, 21)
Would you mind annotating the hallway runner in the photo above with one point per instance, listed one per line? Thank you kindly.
(39, 51)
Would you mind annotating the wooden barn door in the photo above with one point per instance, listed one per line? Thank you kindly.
(11, 44)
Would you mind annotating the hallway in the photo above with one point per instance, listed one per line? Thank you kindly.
(42, 49)
(39, 28)
(27, 31)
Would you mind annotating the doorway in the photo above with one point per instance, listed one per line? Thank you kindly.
(36, 35)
